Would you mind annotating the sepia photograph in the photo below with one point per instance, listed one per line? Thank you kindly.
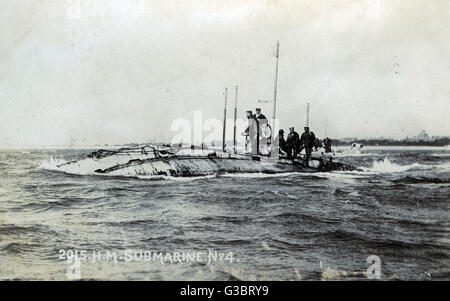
(211, 141)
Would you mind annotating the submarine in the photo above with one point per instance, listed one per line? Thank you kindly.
(153, 160)
(191, 160)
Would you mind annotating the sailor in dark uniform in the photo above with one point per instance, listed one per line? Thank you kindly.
(292, 142)
(318, 144)
(282, 144)
(258, 114)
(327, 144)
(308, 140)
(249, 116)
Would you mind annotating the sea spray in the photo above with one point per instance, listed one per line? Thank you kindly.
(51, 163)
(386, 166)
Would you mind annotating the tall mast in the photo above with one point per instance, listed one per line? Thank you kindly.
(224, 119)
(275, 84)
(235, 116)
(307, 114)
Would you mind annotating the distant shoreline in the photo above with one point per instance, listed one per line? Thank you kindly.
(391, 147)
(338, 146)
(441, 142)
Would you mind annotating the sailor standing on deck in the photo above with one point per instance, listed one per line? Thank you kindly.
(327, 144)
(308, 141)
(265, 133)
(292, 142)
(318, 144)
(258, 114)
(282, 144)
(251, 135)
(250, 117)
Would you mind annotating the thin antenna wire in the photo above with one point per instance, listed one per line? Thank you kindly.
(307, 114)
(224, 118)
(275, 84)
(236, 88)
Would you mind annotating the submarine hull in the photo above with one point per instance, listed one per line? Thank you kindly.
(187, 163)
(201, 166)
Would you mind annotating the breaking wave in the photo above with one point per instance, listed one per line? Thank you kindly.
(353, 154)
(261, 175)
(441, 155)
(51, 163)
(422, 180)
(444, 166)
(177, 179)
(386, 166)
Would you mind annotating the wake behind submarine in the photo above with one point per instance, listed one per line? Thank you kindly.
(265, 152)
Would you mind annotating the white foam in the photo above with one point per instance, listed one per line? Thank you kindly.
(51, 163)
(354, 154)
(344, 177)
(177, 179)
(444, 166)
(386, 166)
(262, 175)
(354, 174)
(442, 155)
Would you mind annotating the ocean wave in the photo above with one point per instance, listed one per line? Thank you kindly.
(284, 194)
(122, 223)
(177, 179)
(343, 174)
(231, 242)
(374, 241)
(226, 219)
(354, 154)
(424, 180)
(262, 175)
(386, 166)
(346, 177)
(440, 155)
(51, 164)
(444, 166)
(12, 229)
(18, 248)
(13, 248)
(305, 218)
(339, 191)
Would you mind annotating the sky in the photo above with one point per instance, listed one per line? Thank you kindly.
(85, 72)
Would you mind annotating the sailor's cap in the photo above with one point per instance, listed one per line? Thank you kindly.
(257, 109)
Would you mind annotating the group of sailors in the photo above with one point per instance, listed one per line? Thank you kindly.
(294, 144)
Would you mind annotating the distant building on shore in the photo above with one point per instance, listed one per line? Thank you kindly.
(422, 136)
(422, 139)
